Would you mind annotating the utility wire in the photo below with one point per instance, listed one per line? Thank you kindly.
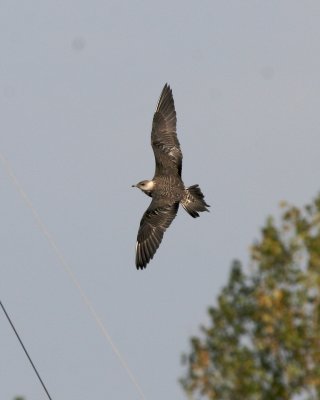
(25, 350)
(70, 273)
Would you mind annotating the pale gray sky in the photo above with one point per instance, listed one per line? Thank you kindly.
(79, 81)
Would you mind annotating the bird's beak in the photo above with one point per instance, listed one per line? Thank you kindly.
(133, 185)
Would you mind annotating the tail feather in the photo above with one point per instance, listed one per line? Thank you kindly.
(193, 201)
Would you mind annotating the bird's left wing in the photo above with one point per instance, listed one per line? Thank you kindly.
(164, 140)
(153, 224)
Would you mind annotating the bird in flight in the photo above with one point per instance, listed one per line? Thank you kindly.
(166, 188)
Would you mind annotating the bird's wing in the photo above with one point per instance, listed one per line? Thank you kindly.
(153, 224)
(165, 144)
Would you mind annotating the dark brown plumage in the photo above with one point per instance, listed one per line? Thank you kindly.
(166, 188)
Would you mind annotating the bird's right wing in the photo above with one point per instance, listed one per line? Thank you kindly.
(152, 227)
(164, 140)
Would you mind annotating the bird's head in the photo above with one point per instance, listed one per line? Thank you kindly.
(146, 186)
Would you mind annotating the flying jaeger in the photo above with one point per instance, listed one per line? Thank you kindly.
(166, 188)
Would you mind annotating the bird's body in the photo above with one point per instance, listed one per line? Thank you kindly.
(166, 188)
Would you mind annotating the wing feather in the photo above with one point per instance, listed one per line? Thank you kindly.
(164, 140)
(153, 224)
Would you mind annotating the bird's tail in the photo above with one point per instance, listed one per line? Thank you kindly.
(193, 201)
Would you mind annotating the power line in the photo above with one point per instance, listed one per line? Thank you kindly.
(44, 230)
(25, 350)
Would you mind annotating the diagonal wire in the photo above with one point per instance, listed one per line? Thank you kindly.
(70, 273)
(25, 350)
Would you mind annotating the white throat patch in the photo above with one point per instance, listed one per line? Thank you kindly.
(148, 185)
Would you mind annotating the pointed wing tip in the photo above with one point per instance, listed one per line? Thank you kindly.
(141, 264)
(141, 259)
(168, 87)
(166, 102)
(141, 267)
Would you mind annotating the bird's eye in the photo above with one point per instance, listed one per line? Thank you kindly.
(142, 184)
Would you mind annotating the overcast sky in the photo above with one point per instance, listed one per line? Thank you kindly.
(79, 82)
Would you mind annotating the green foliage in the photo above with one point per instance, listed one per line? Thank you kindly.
(263, 341)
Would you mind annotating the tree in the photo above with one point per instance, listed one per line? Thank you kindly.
(263, 339)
